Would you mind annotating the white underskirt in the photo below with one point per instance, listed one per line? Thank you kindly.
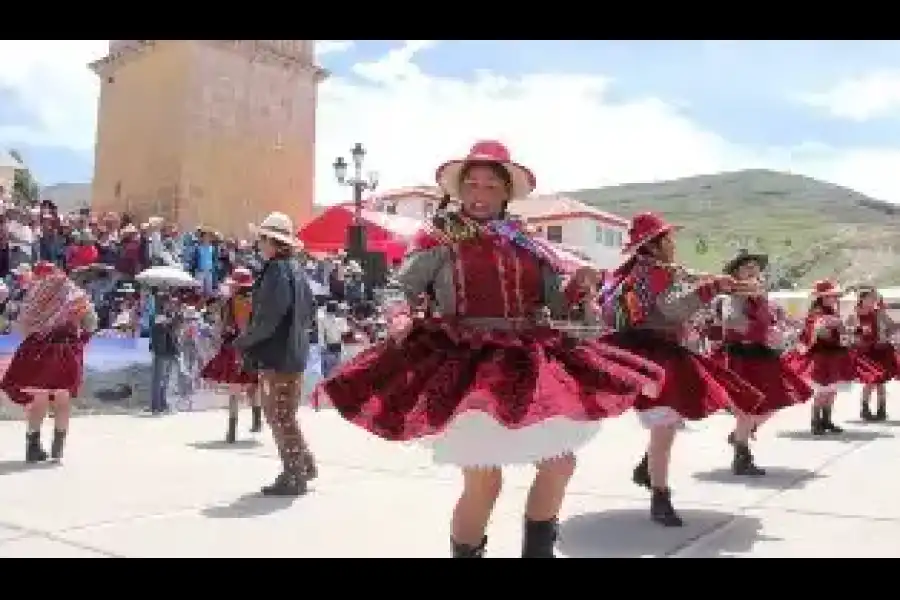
(660, 416)
(475, 439)
(833, 388)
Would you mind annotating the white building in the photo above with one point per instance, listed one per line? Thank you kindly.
(593, 233)
(8, 168)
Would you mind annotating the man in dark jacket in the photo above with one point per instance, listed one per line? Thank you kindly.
(164, 349)
(276, 345)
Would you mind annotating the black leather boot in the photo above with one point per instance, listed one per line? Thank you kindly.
(661, 509)
(827, 424)
(286, 484)
(539, 538)
(743, 462)
(58, 445)
(467, 551)
(881, 412)
(231, 433)
(256, 419)
(865, 413)
(817, 425)
(34, 453)
(641, 474)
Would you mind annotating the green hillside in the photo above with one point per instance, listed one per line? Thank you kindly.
(810, 228)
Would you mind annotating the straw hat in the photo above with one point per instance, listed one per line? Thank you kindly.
(826, 288)
(278, 226)
(743, 257)
(492, 152)
(241, 278)
(646, 227)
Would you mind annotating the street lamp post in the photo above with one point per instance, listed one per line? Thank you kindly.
(356, 233)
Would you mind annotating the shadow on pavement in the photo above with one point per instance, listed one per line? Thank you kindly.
(249, 506)
(222, 445)
(630, 533)
(889, 422)
(10, 467)
(847, 436)
(776, 478)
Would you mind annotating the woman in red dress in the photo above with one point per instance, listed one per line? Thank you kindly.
(56, 322)
(484, 378)
(226, 367)
(824, 359)
(649, 303)
(872, 329)
(752, 331)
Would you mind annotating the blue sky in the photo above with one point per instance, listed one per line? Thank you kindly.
(581, 113)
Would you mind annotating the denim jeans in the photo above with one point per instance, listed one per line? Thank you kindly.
(207, 282)
(159, 386)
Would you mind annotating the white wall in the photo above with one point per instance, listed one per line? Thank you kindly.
(604, 246)
(412, 206)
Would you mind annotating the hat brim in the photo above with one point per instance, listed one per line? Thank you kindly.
(661, 231)
(735, 263)
(285, 238)
(521, 178)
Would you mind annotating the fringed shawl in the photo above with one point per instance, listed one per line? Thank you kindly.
(51, 302)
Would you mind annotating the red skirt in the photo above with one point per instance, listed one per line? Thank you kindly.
(695, 386)
(226, 367)
(766, 370)
(414, 389)
(42, 362)
(831, 365)
(885, 357)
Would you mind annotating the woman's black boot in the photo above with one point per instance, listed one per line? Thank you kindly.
(743, 463)
(827, 424)
(231, 433)
(641, 474)
(58, 445)
(34, 453)
(818, 423)
(539, 538)
(881, 412)
(467, 551)
(661, 509)
(255, 419)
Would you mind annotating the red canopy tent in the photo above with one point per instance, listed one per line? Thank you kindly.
(386, 233)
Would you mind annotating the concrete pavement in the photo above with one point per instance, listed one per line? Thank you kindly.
(146, 487)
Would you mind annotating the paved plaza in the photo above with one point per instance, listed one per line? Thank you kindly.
(135, 486)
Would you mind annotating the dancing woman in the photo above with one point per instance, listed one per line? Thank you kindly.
(56, 322)
(649, 303)
(491, 383)
(226, 367)
(752, 336)
(872, 329)
(823, 358)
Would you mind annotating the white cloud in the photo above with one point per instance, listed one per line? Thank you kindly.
(874, 95)
(564, 126)
(52, 79)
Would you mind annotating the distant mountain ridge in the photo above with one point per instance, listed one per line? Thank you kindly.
(810, 228)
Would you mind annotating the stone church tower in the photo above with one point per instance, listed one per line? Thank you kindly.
(214, 132)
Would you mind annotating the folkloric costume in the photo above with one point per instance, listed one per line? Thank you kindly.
(872, 332)
(56, 322)
(649, 304)
(227, 367)
(824, 359)
(484, 379)
(752, 334)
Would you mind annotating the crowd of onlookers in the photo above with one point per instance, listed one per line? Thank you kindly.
(104, 253)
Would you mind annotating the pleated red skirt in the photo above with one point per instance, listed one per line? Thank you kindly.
(885, 357)
(830, 365)
(695, 386)
(45, 362)
(226, 368)
(442, 369)
(765, 370)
